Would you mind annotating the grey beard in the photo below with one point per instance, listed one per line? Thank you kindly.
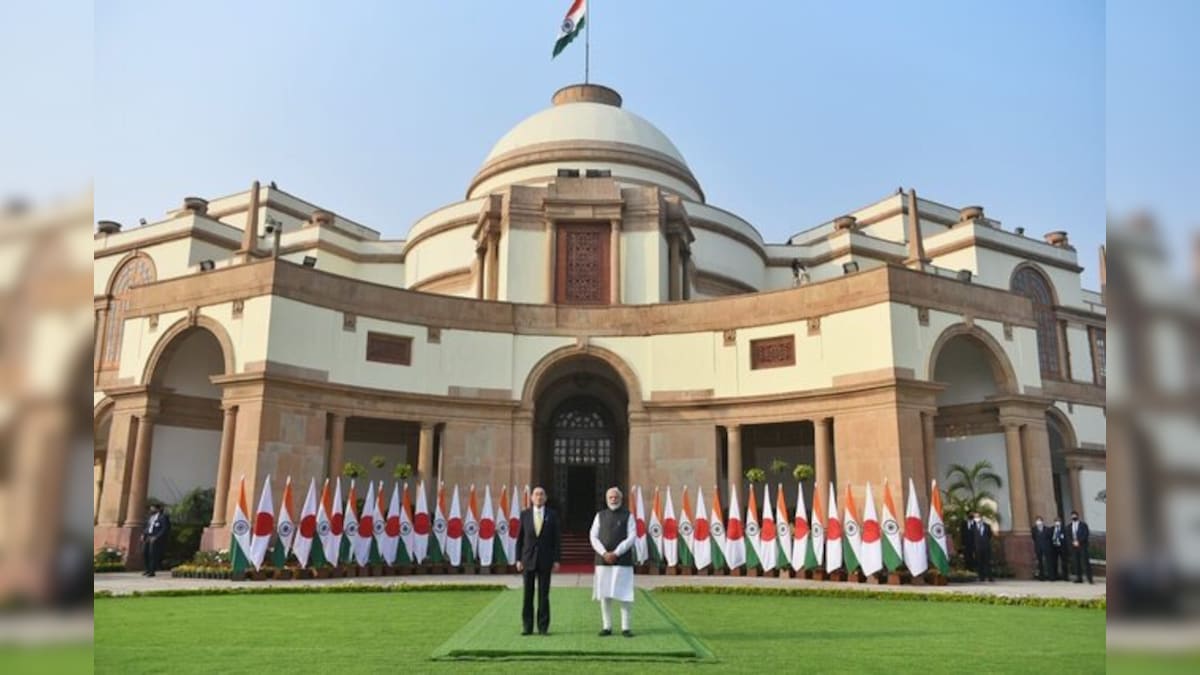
(613, 508)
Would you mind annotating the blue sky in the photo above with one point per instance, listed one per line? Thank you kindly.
(788, 113)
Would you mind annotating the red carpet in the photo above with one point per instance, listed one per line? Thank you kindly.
(576, 568)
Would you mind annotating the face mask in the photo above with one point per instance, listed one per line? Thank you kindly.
(1040, 523)
(1074, 519)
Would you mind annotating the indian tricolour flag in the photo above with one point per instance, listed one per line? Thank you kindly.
(326, 541)
(471, 529)
(938, 553)
(753, 532)
(404, 525)
(514, 527)
(687, 533)
(892, 545)
(852, 542)
(735, 545)
(437, 543)
(871, 556)
(655, 530)
(571, 24)
(717, 527)
(916, 558)
(801, 535)
(814, 557)
(783, 531)
(285, 527)
(349, 526)
(503, 555)
(239, 546)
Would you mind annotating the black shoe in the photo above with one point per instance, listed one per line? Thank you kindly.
(1079, 581)
(544, 632)
(526, 632)
(149, 574)
(605, 632)
(627, 633)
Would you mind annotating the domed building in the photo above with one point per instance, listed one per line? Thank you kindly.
(584, 318)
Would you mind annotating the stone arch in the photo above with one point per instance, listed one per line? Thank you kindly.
(1040, 271)
(1002, 370)
(537, 374)
(112, 279)
(1070, 440)
(170, 339)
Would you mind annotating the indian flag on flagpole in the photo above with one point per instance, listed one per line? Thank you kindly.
(753, 532)
(654, 541)
(471, 529)
(852, 541)
(571, 25)
(437, 543)
(670, 533)
(783, 532)
(717, 527)
(285, 527)
(814, 556)
(687, 533)
(502, 556)
(938, 554)
(239, 546)
(892, 545)
(349, 526)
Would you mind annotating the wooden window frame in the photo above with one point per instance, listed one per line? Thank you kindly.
(561, 237)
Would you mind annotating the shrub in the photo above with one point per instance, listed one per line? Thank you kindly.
(756, 475)
(803, 472)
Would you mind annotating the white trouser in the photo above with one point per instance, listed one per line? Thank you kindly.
(606, 613)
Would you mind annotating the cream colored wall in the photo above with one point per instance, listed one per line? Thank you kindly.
(995, 269)
(640, 263)
(962, 259)
(448, 250)
(188, 371)
(326, 262)
(1080, 350)
(967, 451)
(713, 252)
(1089, 422)
(1094, 512)
(171, 259)
(542, 174)
(249, 334)
(523, 267)
(182, 460)
(202, 250)
(891, 229)
(384, 274)
(913, 343)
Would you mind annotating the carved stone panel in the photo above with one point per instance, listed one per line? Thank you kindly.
(582, 265)
(773, 352)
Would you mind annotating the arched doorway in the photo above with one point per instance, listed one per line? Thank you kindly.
(581, 434)
(1061, 441)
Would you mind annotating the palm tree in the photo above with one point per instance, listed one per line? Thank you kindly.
(969, 489)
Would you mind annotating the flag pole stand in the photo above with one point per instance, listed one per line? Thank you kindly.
(736, 572)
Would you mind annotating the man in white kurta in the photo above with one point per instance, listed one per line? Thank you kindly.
(613, 534)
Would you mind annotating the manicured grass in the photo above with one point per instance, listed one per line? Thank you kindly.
(47, 660)
(390, 632)
(575, 622)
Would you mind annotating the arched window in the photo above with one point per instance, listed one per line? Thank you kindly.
(1030, 283)
(135, 272)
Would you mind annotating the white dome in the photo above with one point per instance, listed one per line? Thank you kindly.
(585, 122)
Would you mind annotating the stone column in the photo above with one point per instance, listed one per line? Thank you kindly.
(551, 262)
(97, 487)
(672, 267)
(100, 342)
(480, 271)
(1076, 492)
(135, 516)
(493, 267)
(614, 256)
(224, 467)
(337, 445)
(685, 282)
(930, 448)
(425, 468)
(734, 458)
(1016, 477)
(823, 450)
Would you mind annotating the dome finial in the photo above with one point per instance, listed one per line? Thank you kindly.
(586, 93)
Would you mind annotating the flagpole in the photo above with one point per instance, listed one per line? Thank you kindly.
(587, 44)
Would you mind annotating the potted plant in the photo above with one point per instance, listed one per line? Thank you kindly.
(778, 466)
(803, 472)
(378, 461)
(353, 470)
(755, 475)
(402, 472)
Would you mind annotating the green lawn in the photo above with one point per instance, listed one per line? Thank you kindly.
(387, 632)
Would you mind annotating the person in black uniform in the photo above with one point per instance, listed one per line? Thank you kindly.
(154, 538)
(539, 548)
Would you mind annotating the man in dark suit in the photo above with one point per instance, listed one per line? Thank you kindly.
(1077, 540)
(1058, 553)
(981, 542)
(154, 538)
(1041, 548)
(539, 545)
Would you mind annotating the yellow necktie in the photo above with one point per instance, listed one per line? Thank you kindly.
(537, 522)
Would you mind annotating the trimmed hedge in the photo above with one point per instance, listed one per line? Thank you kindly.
(103, 567)
(977, 598)
(293, 590)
